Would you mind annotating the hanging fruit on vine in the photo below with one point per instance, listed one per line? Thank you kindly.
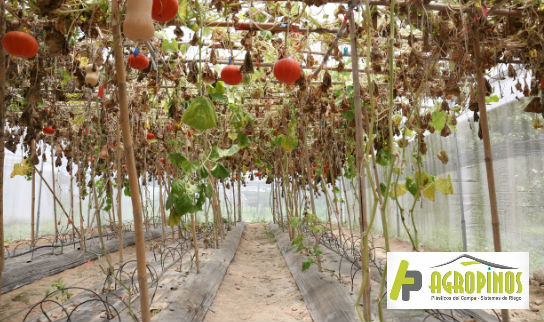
(231, 75)
(287, 70)
(164, 10)
(138, 25)
(49, 130)
(138, 61)
(21, 44)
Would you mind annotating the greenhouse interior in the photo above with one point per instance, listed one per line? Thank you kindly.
(272, 160)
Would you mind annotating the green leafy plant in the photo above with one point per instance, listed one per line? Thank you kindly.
(311, 252)
(62, 291)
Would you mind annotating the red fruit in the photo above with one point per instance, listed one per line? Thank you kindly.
(314, 165)
(164, 10)
(90, 159)
(19, 43)
(139, 62)
(161, 160)
(48, 130)
(287, 70)
(69, 222)
(231, 75)
(189, 133)
(169, 128)
(124, 166)
(150, 136)
(312, 176)
(86, 131)
(258, 174)
(101, 91)
(275, 132)
(325, 171)
(58, 223)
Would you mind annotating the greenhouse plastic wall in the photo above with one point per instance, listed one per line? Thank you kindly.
(518, 161)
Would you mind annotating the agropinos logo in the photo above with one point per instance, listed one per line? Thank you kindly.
(458, 280)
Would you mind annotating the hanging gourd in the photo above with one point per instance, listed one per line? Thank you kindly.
(287, 70)
(231, 75)
(138, 61)
(49, 130)
(91, 75)
(21, 44)
(138, 25)
(164, 10)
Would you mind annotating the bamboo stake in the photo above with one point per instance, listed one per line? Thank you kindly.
(54, 189)
(226, 206)
(195, 242)
(131, 163)
(440, 7)
(239, 196)
(119, 194)
(71, 197)
(2, 123)
(306, 161)
(55, 197)
(33, 203)
(233, 201)
(495, 223)
(365, 271)
(163, 212)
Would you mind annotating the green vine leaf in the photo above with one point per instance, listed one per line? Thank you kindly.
(444, 185)
(429, 191)
(438, 120)
(399, 190)
(288, 143)
(218, 153)
(200, 114)
(219, 171)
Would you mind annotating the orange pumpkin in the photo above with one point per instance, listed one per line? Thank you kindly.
(231, 75)
(19, 43)
(287, 70)
(138, 62)
(164, 10)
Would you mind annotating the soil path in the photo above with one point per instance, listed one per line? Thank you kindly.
(258, 285)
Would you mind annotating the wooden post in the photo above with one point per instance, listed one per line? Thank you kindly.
(359, 163)
(131, 163)
(495, 223)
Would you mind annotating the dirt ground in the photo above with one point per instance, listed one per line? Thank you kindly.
(258, 285)
(15, 304)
